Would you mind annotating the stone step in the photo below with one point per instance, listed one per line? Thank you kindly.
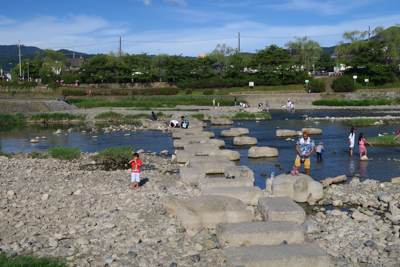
(248, 195)
(212, 167)
(201, 149)
(41, 106)
(293, 255)
(281, 209)
(223, 182)
(259, 233)
(192, 175)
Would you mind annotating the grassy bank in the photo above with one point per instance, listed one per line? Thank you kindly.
(55, 117)
(29, 261)
(150, 102)
(251, 116)
(361, 122)
(386, 140)
(352, 103)
(2, 154)
(114, 158)
(64, 153)
(8, 119)
(114, 116)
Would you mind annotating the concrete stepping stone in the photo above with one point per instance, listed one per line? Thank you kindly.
(190, 130)
(221, 121)
(194, 159)
(201, 149)
(248, 195)
(259, 233)
(281, 209)
(183, 156)
(192, 139)
(286, 133)
(244, 141)
(239, 171)
(223, 182)
(192, 175)
(232, 154)
(231, 133)
(180, 143)
(213, 166)
(293, 255)
(312, 131)
(217, 142)
(262, 152)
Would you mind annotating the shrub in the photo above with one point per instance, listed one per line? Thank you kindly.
(156, 91)
(114, 158)
(64, 153)
(37, 155)
(317, 85)
(188, 91)
(29, 261)
(8, 119)
(70, 78)
(343, 84)
(208, 92)
(49, 79)
(73, 92)
(2, 154)
(119, 92)
(110, 115)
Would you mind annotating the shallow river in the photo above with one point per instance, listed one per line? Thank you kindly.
(335, 136)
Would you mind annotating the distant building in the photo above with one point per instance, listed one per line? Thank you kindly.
(76, 63)
(202, 55)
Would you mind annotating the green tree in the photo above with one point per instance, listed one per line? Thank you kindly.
(204, 68)
(325, 62)
(391, 38)
(220, 56)
(158, 64)
(51, 62)
(238, 62)
(305, 49)
(105, 68)
(178, 69)
(140, 66)
(33, 68)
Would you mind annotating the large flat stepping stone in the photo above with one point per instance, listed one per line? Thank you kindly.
(286, 133)
(231, 133)
(153, 124)
(260, 233)
(192, 139)
(223, 182)
(281, 209)
(180, 143)
(190, 130)
(262, 152)
(312, 131)
(194, 159)
(217, 142)
(232, 154)
(207, 211)
(212, 167)
(182, 134)
(192, 175)
(201, 149)
(244, 141)
(239, 171)
(248, 195)
(183, 156)
(243, 131)
(297, 187)
(221, 121)
(288, 255)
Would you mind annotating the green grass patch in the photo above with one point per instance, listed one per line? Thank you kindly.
(8, 155)
(362, 122)
(64, 153)
(386, 140)
(382, 86)
(29, 261)
(110, 115)
(114, 158)
(365, 102)
(199, 116)
(245, 89)
(9, 119)
(54, 117)
(37, 155)
(151, 102)
(251, 116)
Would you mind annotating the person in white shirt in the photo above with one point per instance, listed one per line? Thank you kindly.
(173, 124)
(352, 137)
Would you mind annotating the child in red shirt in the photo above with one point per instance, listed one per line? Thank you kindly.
(135, 176)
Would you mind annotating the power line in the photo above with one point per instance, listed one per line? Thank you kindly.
(181, 41)
(286, 37)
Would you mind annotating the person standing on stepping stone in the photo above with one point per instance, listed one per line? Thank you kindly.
(304, 147)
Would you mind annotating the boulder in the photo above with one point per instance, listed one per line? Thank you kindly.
(285, 133)
(364, 158)
(201, 149)
(34, 141)
(244, 141)
(207, 211)
(297, 187)
(232, 154)
(239, 171)
(192, 175)
(221, 121)
(262, 152)
(3, 158)
(217, 142)
(313, 131)
(183, 156)
(248, 195)
(230, 133)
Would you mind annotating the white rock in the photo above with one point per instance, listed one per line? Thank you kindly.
(45, 197)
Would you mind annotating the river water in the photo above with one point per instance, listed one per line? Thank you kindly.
(334, 137)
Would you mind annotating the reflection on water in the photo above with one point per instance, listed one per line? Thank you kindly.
(335, 137)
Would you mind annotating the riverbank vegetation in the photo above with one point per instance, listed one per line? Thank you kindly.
(64, 153)
(362, 122)
(29, 261)
(352, 103)
(114, 158)
(386, 140)
(114, 116)
(9, 119)
(2, 154)
(55, 117)
(251, 116)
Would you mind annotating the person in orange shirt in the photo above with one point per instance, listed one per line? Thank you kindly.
(135, 176)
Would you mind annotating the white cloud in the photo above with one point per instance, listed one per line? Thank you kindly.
(179, 2)
(146, 2)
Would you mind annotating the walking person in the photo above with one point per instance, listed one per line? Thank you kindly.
(214, 103)
(267, 106)
(304, 147)
(235, 101)
(352, 138)
(361, 144)
(319, 149)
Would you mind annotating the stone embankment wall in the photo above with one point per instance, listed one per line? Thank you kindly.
(124, 85)
(15, 107)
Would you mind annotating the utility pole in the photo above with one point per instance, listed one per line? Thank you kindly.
(239, 42)
(120, 46)
(19, 47)
(369, 33)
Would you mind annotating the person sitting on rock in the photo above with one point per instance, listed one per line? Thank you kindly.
(184, 122)
(304, 147)
(65, 100)
(173, 124)
(153, 116)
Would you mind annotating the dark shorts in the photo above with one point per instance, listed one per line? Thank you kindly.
(351, 148)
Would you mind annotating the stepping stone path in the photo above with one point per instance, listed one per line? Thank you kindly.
(276, 240)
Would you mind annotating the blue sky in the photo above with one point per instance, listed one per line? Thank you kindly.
(76, 25)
